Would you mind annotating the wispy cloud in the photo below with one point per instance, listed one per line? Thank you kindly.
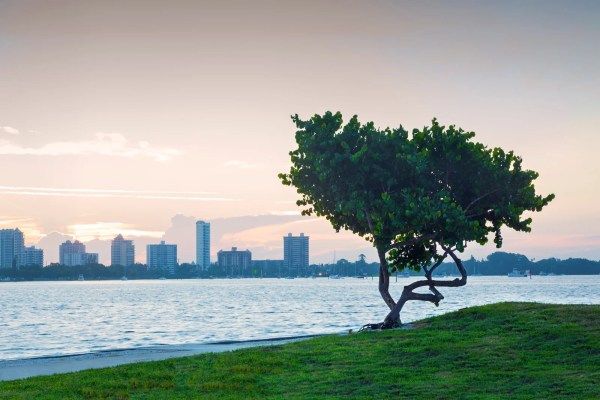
(240, 164)
(10, 130)
(286, 212)
(105, 144)
(132, 194)
(108, 230)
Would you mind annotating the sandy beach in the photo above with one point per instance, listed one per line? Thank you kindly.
(24, 368)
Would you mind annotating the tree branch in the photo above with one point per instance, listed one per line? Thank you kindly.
(433, 298)
(429, 271)
(369, 222)
(480, 198)
(412, 241)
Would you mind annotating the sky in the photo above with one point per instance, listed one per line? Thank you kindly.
(138, 117)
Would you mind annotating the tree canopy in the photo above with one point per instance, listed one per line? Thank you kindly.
(412, 193)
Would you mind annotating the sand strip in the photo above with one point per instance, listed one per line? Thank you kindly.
(25, 368)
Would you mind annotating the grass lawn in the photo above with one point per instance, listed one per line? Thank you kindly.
(499, 351)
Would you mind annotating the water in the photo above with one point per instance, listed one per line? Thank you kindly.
(58, 318)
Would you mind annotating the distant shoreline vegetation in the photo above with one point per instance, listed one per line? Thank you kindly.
(498, 263)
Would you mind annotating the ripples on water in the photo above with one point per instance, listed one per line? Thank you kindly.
(57, 318)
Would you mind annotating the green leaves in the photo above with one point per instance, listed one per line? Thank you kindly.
(410, 194)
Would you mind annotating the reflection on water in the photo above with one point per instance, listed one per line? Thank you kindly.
(55, 318)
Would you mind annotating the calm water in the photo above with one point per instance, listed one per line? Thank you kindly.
(56, 318)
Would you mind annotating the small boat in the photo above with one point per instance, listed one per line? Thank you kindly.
(80, 277)
(334, 277)
(162, 278)
(516, 274)
(123, 278)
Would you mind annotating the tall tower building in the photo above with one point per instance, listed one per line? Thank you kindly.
(202, 245)
(122, 252)
(295, 254)
(11, 247)
(162, 256)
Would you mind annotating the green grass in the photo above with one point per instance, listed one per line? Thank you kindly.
(499, 351)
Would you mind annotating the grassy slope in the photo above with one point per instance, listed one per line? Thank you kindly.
(507, 350)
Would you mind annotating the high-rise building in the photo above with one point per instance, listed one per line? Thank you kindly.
(11, 247)
(234, 261)
(32, 257)
(202, 245)
(295, 254)
(162, 256)
(122, 252)
(73, 254)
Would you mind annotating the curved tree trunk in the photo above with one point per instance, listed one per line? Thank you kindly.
(393, 318)
(384, 279)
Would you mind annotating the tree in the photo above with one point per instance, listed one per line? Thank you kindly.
(419, 197)
(360, 262)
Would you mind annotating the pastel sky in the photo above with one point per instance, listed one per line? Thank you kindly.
(136, 117)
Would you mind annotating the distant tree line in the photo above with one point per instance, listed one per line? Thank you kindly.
(498, 263)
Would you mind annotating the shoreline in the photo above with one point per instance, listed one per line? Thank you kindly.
(50, 365)
(369, 278)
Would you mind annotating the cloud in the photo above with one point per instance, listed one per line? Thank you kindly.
(182, 231)
(95, 193)
(286, 212)
(10, 130)
(31, 230)
(49, 243)
(239, 164)
(107, 231)
(266, 241)
(104, 144)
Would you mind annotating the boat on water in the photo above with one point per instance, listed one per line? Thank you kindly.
(123, 278)
(517, 274)
(334, 277)
(80, 277)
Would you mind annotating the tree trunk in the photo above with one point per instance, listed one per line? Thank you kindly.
(392, 320)
(384, 279)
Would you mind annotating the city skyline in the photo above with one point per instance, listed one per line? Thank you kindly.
(121, 131)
